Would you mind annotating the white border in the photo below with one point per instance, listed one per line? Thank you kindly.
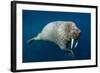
(38, 65)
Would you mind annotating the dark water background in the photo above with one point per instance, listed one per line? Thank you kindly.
(40, 51)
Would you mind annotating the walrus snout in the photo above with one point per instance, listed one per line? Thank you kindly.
(75, 33)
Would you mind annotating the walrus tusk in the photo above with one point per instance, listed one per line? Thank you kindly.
(72, 42)
(76, 44)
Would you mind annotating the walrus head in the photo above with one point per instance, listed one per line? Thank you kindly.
(74, 32)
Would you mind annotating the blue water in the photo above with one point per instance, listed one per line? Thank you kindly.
(40, 51)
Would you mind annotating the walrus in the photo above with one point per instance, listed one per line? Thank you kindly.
(60, 33)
